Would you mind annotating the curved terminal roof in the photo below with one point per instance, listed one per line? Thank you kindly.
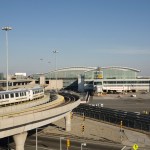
(68, 72)
(116, 67)
(114, 72)
(73, 72)
(74, 68)
(119, 67)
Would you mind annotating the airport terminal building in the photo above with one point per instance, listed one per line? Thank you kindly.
(115, 79)
(94, 79)
(69, 76)
(99, 79)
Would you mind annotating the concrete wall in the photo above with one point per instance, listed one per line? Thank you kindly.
(42, 80)
(80, 84)
(52, 84)
(32, 83)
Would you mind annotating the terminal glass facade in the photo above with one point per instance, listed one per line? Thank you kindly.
(111, 73)
(115, 79)
(68, 75)
(114, 73)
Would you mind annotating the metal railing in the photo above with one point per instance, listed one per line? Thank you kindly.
(129, 119)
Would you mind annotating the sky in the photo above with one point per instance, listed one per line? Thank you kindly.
(95, 33)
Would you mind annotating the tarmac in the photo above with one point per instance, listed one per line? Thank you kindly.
(139, 103)
(131, 95)
(100, 132)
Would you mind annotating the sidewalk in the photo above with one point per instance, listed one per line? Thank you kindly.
(133, 137)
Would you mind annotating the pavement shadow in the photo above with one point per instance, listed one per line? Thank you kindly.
(57, 127)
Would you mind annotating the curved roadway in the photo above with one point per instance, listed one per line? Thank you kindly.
(19, 122)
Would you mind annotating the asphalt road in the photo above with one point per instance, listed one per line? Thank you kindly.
(53, 143)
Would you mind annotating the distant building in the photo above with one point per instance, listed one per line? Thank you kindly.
(20, 74)
(1, 76)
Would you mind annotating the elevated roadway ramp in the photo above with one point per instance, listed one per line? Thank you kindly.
(17, 124)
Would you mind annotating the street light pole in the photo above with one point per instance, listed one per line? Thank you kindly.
(61, 138)
(41, 72)
(36, 140)
(55, 52)
(49, 71)
(7, 29)
(49, 65)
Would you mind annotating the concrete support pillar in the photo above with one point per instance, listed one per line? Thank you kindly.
(20, 140)
(68, 122)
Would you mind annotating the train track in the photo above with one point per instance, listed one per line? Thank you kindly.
(69, 97)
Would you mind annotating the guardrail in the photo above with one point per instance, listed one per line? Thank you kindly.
(129, 119)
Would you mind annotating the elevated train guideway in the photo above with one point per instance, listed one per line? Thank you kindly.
(20, 106)
(17, 124)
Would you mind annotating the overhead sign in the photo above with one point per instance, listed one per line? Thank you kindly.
(99, 76)
(135, 146)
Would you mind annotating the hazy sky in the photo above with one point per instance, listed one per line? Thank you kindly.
(85, 32)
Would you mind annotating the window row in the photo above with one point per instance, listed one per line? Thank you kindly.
(12, 95)
(126, 82)
(37, 91)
